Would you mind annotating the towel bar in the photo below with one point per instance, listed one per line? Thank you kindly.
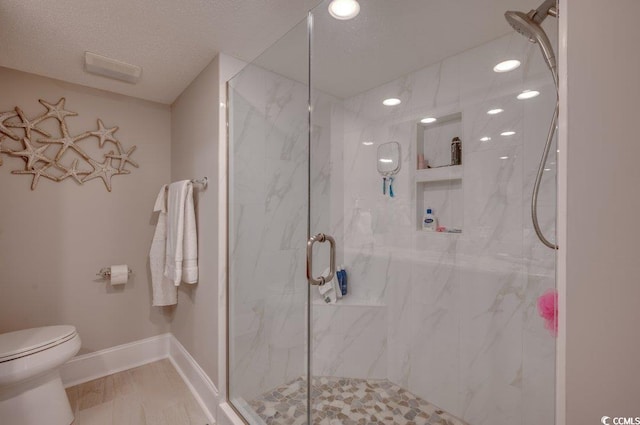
(204, 182)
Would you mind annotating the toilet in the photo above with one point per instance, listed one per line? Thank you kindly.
(31, 392)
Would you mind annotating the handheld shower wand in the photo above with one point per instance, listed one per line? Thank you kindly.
(529, 25)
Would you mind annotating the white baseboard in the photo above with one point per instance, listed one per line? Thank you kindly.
(227, 416)
(101, 363)
(88, 367)
(202, 388)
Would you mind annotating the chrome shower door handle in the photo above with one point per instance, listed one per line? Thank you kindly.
(321, 237)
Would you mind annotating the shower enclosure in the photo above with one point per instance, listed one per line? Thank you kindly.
(435, 327)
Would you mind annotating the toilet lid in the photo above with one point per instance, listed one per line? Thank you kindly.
(29, 341)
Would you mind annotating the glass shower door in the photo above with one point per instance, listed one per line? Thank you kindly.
(433, 327)
(268, 227)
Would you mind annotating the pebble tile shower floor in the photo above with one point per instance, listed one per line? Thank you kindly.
(342, 401)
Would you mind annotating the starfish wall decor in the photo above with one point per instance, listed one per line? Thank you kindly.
(18, 138)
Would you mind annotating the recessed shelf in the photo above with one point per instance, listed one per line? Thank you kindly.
(453, 172)
(440, 188)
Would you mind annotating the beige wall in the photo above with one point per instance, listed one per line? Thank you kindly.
(194, 154)
(602, 235)
(197, 127)
(54, 240)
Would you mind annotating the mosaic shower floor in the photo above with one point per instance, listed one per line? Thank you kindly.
(342, 401)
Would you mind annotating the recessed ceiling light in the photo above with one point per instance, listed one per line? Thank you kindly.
(428, 120)
(528, 94)
(547, 169)
(507, 133)
(485, 139)
(494, 111)
(392, 101)
(367, 143)
(385, 160)
(504, 157)
(344, 9)
(506, 66)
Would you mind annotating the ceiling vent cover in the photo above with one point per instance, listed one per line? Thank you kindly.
(111, 68)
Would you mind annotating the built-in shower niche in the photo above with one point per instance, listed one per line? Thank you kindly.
(439, 187)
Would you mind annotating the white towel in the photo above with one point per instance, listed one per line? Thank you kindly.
(181, 256)
(164, 291)
(190, 240)
(330, 291)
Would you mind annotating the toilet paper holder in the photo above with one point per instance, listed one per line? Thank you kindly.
(105, 272)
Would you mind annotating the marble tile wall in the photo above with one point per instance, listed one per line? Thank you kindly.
(462, 330)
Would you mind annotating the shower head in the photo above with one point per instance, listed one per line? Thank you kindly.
(528, 24)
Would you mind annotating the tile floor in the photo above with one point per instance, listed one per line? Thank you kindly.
(342, 401)
(153, 394)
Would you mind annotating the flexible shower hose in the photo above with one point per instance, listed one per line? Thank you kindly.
(536, 186)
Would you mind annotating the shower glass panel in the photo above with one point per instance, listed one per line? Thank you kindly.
(443, 325)
(268, 215)
(435, 327)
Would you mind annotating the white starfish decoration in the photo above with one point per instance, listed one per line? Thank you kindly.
(4, 116)
(104, 134)
(67, 141)
(37, 173)
(27, 125)
(72, 172)
(57, 110)
(104, 171)
(31, 154)
(123, 156)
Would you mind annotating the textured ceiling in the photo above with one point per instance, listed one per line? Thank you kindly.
(173, 40)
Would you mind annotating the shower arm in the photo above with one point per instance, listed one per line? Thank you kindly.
(546, 8)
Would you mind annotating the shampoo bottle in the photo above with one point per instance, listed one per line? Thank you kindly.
(429, 221)
(456, 151)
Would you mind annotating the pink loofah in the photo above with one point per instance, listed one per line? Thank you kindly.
(548, 310)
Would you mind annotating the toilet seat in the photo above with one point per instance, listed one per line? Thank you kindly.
(14, 345)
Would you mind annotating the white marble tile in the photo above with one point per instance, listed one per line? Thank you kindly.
(426, 85)
(247, 175)
(400, 305)
(479, 81)
(435, 318)
(538, 363)
(479, 124)
(450, 78)
(492, 305)
(493, 215)
(349, 341)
